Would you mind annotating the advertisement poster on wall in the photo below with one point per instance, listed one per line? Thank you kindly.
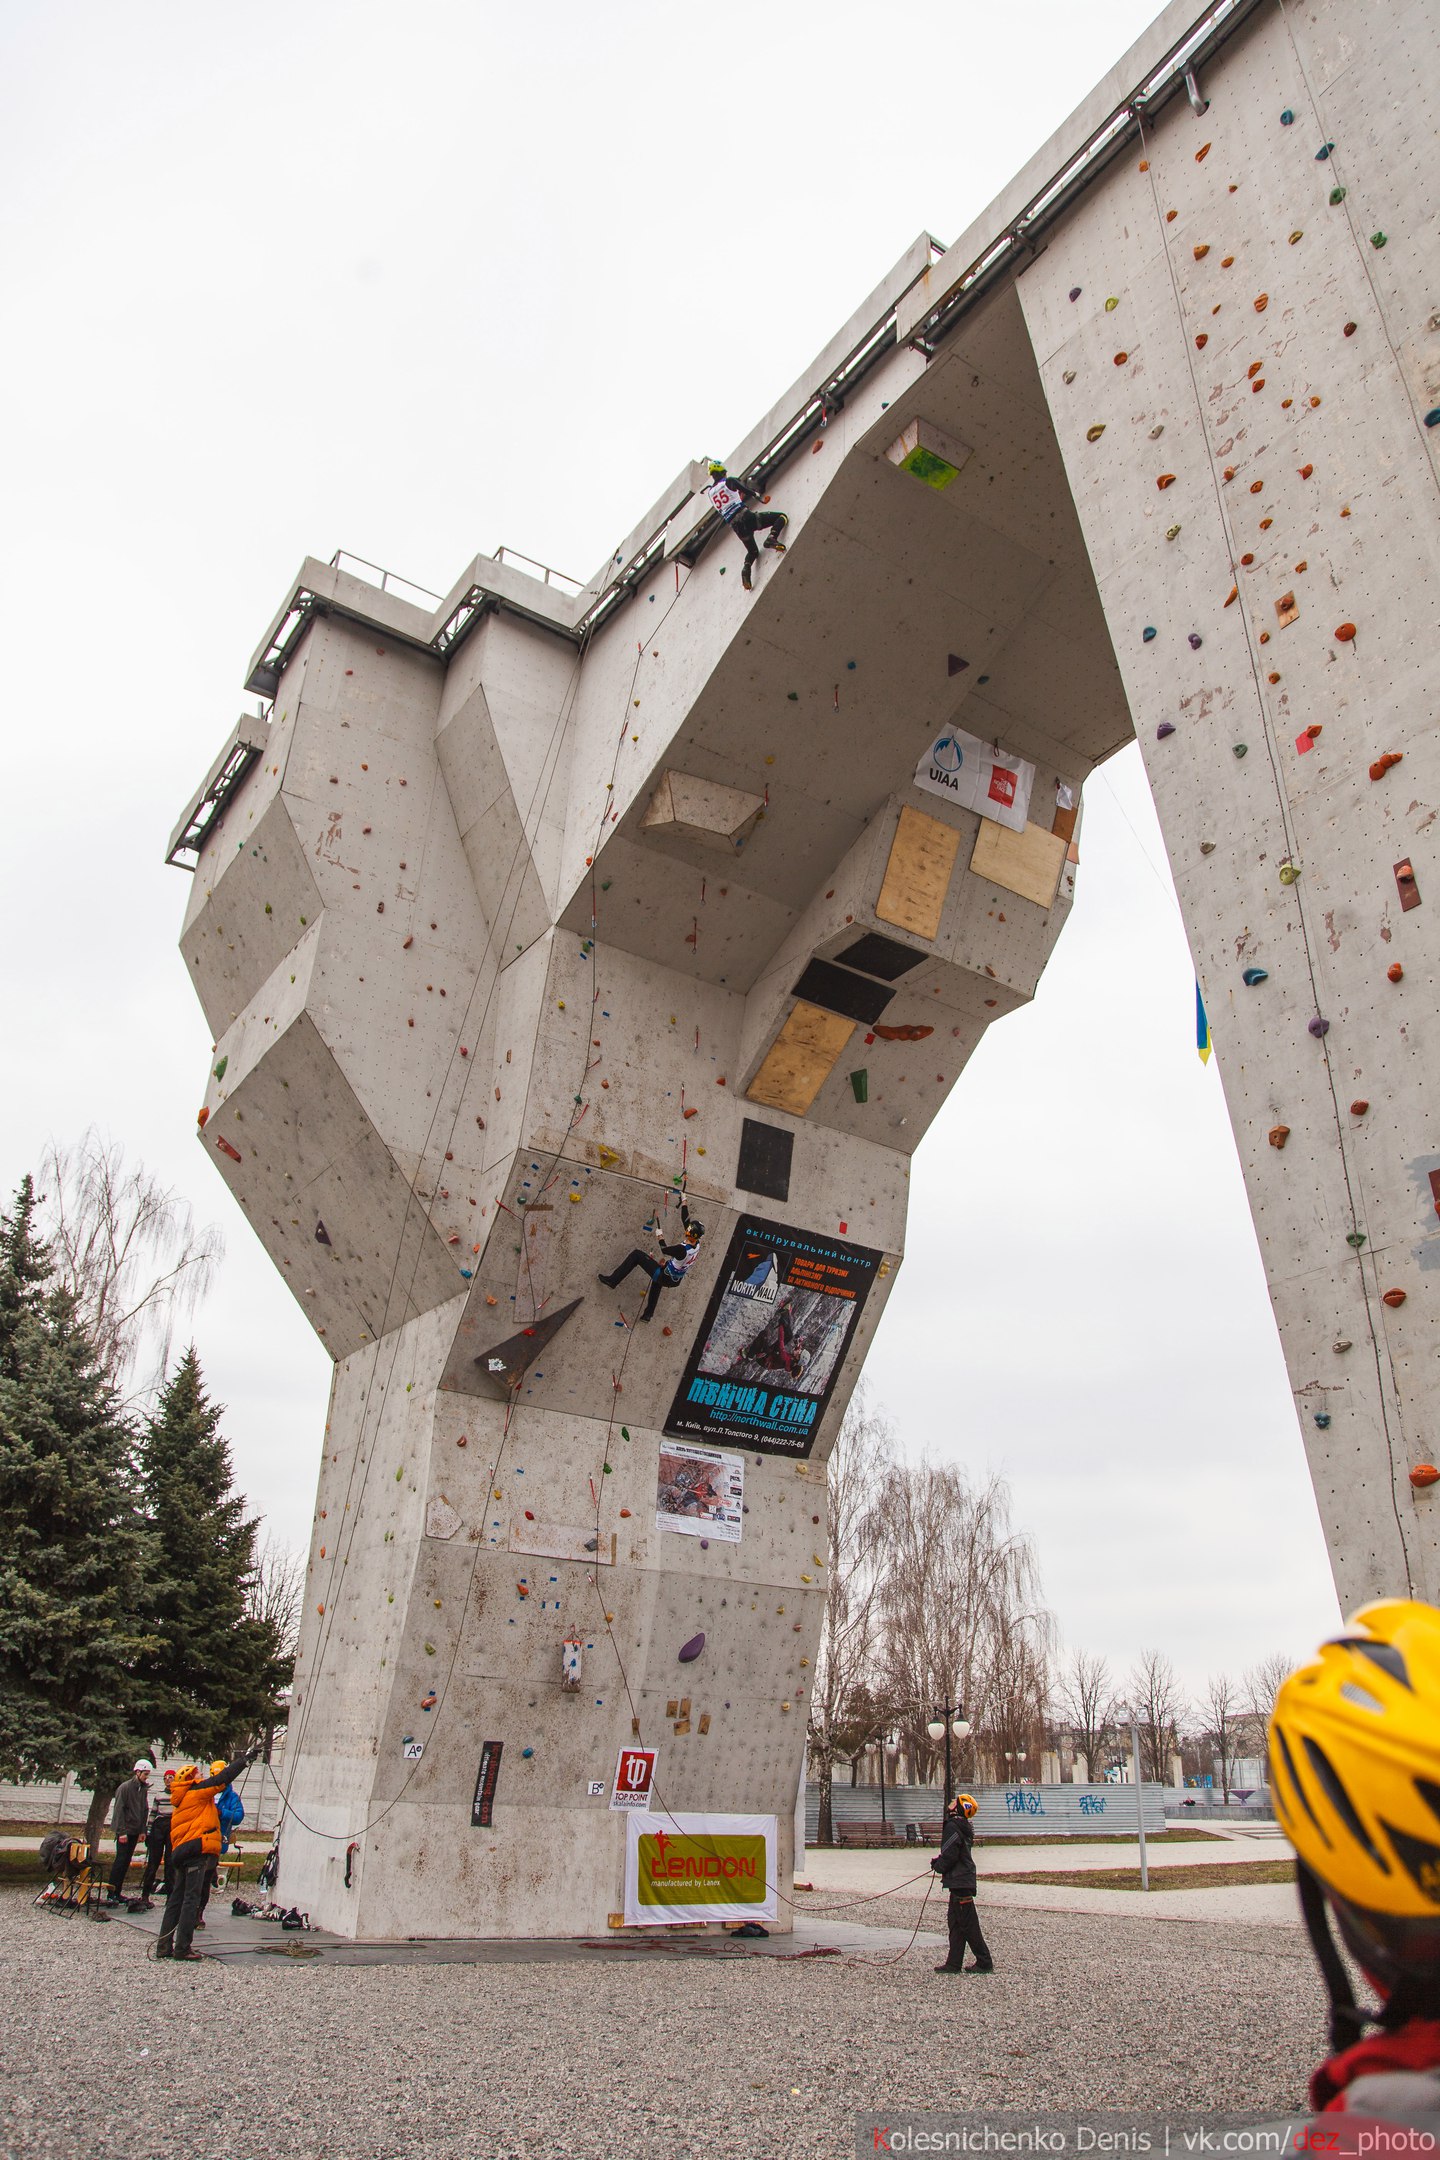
(977, 776)
(701, 1491)
(779, 1321)
(699, 1867)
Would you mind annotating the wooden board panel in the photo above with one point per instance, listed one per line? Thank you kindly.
(1027, 863)
(800, 1060)
(917, 876)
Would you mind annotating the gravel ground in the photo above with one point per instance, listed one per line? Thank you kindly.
(106, 2056)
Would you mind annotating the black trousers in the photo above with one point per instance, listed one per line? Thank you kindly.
(749, 522)
(189, 1877)
(124, 1847)
(157, 1856)
(655, 1269)
(965, 1933)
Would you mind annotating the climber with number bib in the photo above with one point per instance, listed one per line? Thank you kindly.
(1355, 1780)
(667, 1273)
(731, 500)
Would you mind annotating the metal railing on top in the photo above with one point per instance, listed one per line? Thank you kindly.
(503, 554)
(342, 559)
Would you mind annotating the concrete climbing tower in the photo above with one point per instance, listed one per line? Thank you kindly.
(522, 916)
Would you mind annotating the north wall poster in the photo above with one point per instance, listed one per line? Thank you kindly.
(780, 1319)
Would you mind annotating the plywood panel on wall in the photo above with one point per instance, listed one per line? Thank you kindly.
(1027, 863)
(799, 1061)
(917, 876)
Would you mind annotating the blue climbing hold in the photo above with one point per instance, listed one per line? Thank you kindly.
(1166, 727)
(1322, 1419)
(527, 1752)
(1432, 418)
(1252, 976)
(1287, 118)
(1323, 152)
(1150, 633)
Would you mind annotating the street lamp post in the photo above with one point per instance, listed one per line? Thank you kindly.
(949, 1718)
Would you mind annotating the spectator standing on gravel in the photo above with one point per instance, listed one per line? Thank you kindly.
(157, 1842)
(127, 1819)
(955, 1865)
(194, 1843)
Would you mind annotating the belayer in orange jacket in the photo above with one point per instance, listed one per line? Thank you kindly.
(194, 1844)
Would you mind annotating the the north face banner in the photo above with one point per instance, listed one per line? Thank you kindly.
(977, 776)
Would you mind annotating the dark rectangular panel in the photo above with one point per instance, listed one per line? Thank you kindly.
(876, 955)
(838, 991)
(765, 1153)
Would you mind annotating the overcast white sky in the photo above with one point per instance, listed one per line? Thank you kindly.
(416, 281)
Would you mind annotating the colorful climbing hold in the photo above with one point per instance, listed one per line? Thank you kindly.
(1323, 152)
(1392, 1298)
(1377, 239)
(1322, 1419)
(1149, 634)
(1253, 975)
(1093, 434)
(1337, 195)
(1287, 118)
(1166, 727)
(1359, 1107)
(1395, 973)
(1344, 633)
(1278, 1135)
(1201, 251)
(220, 1068)
(1356, 1238)
(1195, 641)
(1172, 532)
(1239, 749)
(1121, 358)
(1111, 304)
(1424, 1473)
(1074, 292)
(1383, 764)
(1165, 480)
(691, 1650)
(1319, 1027)
(1289, 872)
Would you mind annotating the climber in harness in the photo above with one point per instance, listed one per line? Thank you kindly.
(731, 500)
(667, 1273)
(1355, 1778)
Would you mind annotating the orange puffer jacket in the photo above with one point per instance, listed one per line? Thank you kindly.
(194, 1814)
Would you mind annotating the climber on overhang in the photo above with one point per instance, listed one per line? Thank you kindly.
(667, 1273)
(731, 500)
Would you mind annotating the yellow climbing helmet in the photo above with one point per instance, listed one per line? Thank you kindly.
(1355, 1776)
(967, 1803)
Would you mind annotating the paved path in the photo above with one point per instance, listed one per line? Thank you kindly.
(855, 1874)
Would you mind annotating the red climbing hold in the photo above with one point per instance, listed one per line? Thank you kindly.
(226, 1149)
(1395, 972)
(1383, 764)
(1393, 1298)
(903, 1034)
(1424, 1473)
(203, 1119)
(1358, 1109)
(1344, 634)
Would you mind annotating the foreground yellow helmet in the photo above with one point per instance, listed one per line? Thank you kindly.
(1355, 1774)
(966, 1802)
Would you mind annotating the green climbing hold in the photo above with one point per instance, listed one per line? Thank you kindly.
(1378, 239)
(624, 1432)
(220, 1068)
(860, 1085)
(1337, 195)
(1289, 871)
(608, 1469)
(1356, 1238)
(1239, 749)
(794, 696)
(399, 1475)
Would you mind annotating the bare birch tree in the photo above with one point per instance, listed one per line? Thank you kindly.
(1159, 1706)
(1086, 1703)
(1222, 1710)
(958, 1584)
(1263, 1682)
(129, 1249)
(843, 1717)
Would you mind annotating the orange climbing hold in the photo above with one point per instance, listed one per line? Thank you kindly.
(1201, 251)
(1359, 1108)
(903, 1034)
(1392, 1298)
(1383, 764)
(1305, 471)
(1121, 358)
(1166, 479)
(1424, 1473)
(1278, 1135)
(1144, 165)
(1201, 341)
(1344, 633)
(1262, 301)
(1202, 153)
(203, 1118)
(1395, 973)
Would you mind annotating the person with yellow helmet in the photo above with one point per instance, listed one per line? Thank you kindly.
(955, 1865)
(730, 499)
(194, 1842)
(1355, 1780)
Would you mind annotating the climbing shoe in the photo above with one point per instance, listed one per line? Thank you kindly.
(773, 540)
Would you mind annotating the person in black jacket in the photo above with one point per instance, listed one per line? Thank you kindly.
(730, 499)
(666, 1274)
(955, 1865)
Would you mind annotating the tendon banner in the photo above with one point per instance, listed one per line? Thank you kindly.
(779, 1321)
(699, 1867)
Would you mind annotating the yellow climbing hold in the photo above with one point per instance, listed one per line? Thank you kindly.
(1093, 434)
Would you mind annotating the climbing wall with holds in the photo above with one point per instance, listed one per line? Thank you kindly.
(1238, 331)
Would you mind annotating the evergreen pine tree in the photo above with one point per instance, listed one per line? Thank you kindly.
(74, 1549)
(212, 1678)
